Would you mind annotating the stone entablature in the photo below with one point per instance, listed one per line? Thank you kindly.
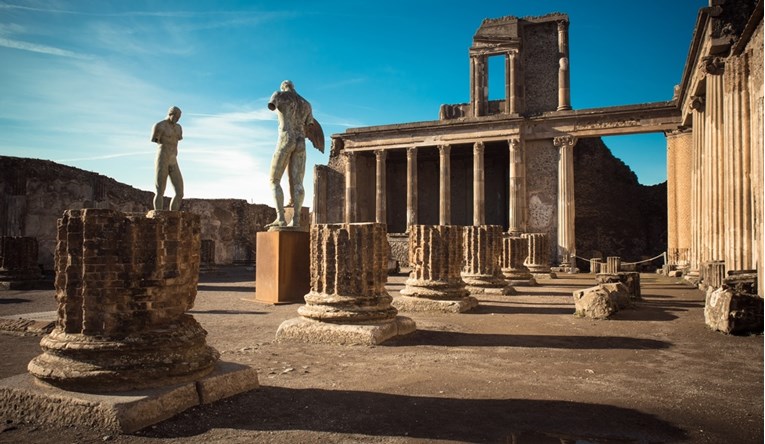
(124, 283)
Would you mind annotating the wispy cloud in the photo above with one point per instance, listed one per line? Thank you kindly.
(42, 49)
(107, 156)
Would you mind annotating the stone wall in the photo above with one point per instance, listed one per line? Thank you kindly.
(615, 214)
(35, 193)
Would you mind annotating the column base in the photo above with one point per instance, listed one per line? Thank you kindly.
(417, 304)
(317, 332)
(529, 282)
(488, 284)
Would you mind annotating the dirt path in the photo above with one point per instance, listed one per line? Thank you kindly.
(518, 369)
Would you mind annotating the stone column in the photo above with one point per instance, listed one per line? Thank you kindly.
(483, 250)
(596, 263)
(123, 284)
(697, 185)
(715, 163)
(538, 261)
(380, 207)
(566, 212)
(411, 187)
(479, 201)
(511, 84)
(612, 266)
(320, 198)
(445, 195)
(435, 283)
(517, 188)
(515, 251)
(348, 302)
(350, 186)
(679, 173)
(564, 91)
(738, 232)
(18, 263)
(478, 84)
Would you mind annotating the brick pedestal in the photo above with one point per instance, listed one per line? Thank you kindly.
(435, 283)
(123, 285)
(515, 250)
(347, 302)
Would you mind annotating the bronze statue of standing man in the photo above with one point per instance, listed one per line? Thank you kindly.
(296, 122)
(166, 134)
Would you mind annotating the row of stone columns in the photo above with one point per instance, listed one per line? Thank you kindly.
(517, 217)
(723, 168)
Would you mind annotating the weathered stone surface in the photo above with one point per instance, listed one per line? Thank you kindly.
(595, 264)
(18, 263)
(601, 301)
(538, 260)
(435, 255)
(630, 279)
(515, 250)
(733, 313)
(123, 284)
(483, 250)
(348, 302)
(735, 308)
(713, 274)
(612, 266)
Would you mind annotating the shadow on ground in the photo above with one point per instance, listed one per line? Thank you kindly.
(424, 417)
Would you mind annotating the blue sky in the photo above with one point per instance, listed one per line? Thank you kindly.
(82, 82)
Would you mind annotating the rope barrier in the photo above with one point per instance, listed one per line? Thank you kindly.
(663, 255)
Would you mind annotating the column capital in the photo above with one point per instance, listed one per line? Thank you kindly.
(380, 154)
(697, 103)
(478, 147)
(350, 155)
(712, 65)
(565, 141)
(444, 150)
(562, 25)
(514, 142)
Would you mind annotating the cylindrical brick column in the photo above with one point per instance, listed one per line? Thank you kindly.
(435, 282)
(697, 185)
(538, 261)
(18, 263)
(479, 203)
(350, 186)
(716, 169)
(566, 203)
(515, 251)
(517, 189)
(348, 302)
(613, 264)
(380, 204)
(123, 284)
(411, 187)
(739, 217)
(483, 250)
(444, 189)
(349, 264)
(596, 264)
(564, 90)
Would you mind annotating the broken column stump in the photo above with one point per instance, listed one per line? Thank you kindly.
(483, 249)
(123, 286)
(124, 354)
(515, 250)
(595, 264)
(735, 308)
(630, 279)
(18, 263)
(612, 266)
(435, 283)
(538, 260)
(348, 303)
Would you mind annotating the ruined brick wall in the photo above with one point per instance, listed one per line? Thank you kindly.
(540, 67)
(35, 193)
(615, 215)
